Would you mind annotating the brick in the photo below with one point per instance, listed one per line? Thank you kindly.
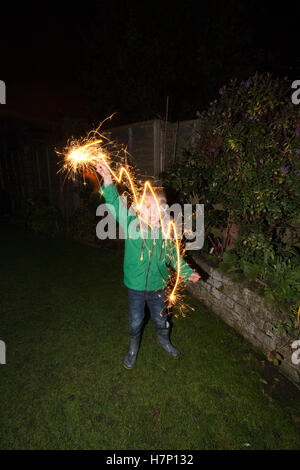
(242, 311)
(214, 282)
(266, 340)
(216, 293)
(246, 312)
(290, 370)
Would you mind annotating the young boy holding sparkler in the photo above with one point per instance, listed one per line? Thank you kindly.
(147, 254)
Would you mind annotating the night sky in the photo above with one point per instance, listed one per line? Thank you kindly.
(90, 59)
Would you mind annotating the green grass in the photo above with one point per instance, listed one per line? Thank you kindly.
(64, 319)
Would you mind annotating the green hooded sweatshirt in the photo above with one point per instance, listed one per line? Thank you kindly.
(146, 258)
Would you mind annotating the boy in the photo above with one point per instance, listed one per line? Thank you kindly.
(147, 254)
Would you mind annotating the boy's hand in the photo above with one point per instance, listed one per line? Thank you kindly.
(92, 178)
(104, 172)
(194, 277)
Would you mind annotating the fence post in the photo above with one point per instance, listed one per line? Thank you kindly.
(164, 157)
(130, 140)
(156, 146)
(175, 143)
(193, 139)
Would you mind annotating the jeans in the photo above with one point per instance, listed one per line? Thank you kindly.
(156, 301)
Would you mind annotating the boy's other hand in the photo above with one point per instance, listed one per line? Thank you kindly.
(92, 178)
(104, 172)
(194, 277)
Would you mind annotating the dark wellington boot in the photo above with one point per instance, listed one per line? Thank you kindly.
(163, 339)
(130, 358)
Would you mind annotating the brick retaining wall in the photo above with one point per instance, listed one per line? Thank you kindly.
(247, 312)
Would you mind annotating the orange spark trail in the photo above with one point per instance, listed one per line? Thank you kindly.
(80, 158)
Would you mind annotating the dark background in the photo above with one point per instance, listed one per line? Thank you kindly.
(90, 59)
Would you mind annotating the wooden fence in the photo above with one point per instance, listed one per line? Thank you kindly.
(29, 166)
(154, 144)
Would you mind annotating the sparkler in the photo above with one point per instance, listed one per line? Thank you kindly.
(85, 157)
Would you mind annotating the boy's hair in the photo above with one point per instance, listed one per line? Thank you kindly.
(160, 193)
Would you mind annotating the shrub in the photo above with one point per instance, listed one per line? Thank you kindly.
(42, 217)
(82, 225)
(244, 167)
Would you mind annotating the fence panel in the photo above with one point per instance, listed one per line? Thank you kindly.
(155, 144)
(30, 168)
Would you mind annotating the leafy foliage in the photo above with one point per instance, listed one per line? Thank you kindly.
(83, 222)
(244, 168)
(82, 225)
(43, 217)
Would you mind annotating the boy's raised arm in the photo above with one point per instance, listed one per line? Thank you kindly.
(109, 191)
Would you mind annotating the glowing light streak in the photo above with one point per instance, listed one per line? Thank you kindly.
(86, 158)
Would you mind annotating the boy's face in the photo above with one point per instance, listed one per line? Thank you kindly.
(150, 212)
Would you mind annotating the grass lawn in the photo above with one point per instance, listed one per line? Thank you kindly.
(64, 319)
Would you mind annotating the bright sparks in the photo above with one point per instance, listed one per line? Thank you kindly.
(85, 157)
